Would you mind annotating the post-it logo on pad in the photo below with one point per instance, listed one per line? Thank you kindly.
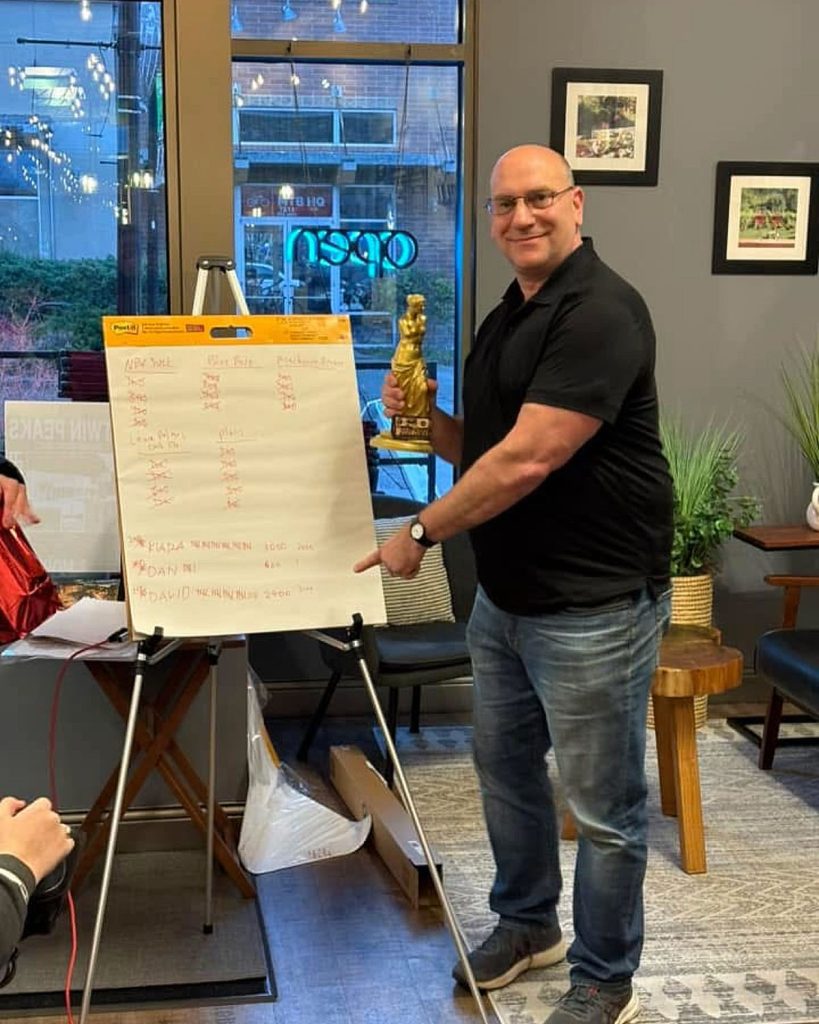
(125, 327)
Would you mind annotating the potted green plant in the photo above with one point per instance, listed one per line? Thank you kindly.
(801, 417)
(704, 472)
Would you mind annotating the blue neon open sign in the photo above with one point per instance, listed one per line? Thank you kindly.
(333, 247)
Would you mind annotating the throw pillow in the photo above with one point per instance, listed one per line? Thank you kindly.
(423, 599)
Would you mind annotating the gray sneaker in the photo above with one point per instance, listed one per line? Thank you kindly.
(590, 1003)
(508, 952)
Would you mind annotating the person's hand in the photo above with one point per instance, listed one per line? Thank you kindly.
(34, 834)
(16, 508)
(392, 397)
(400, 556)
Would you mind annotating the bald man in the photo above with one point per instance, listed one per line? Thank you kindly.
(567, 498)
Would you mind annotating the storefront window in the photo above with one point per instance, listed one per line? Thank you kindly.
(347, 193)
(82, 191)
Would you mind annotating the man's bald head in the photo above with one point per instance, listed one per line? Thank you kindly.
(537, 212)
(550, 159)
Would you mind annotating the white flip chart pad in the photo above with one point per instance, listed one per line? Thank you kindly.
(241, 474)
(64, 451)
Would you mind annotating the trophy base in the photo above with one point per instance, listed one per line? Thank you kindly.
(386, 440)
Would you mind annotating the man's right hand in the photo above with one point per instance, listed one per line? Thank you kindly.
(392, 396)
(34, 834)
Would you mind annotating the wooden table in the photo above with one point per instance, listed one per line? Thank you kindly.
(156, 748)
(779, 538)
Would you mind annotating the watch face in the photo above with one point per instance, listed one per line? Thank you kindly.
(416, 531)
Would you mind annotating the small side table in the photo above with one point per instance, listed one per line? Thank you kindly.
(692, 663)
(779, 538)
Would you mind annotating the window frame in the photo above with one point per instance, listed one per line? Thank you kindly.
(199, 79)
(337, 117)
(463, 55)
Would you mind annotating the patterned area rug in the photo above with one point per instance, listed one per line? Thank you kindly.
(739, 945)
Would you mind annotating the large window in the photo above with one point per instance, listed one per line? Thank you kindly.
(347, 200)
(82, 196)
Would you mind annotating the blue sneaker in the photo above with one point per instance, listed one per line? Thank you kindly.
(508, 952)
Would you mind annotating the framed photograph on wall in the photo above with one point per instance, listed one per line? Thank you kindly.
(766, 218)
(606, 122)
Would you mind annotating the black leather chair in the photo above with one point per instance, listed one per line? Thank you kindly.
(789, 660)
(412, 655)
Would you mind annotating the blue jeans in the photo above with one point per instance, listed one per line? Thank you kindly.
(578, 681)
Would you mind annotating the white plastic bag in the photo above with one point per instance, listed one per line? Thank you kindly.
(283, 827)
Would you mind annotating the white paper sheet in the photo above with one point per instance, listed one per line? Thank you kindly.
(89, 621)
(241, 472)
(62, 651)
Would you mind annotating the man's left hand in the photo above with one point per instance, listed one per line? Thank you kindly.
(16, 508)
(400, 556)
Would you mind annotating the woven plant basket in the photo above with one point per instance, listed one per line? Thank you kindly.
(691, 602)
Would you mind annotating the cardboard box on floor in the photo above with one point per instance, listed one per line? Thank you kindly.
(364, 791)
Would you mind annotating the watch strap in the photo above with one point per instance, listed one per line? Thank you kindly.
(420, 535)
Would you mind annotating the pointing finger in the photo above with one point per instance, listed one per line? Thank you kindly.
(374, 558)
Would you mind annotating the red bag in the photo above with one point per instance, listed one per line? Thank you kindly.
(27, 593)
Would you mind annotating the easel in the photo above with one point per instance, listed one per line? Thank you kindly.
(149, 652)
(353, 643)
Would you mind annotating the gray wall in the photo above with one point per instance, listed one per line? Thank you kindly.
(740, 83)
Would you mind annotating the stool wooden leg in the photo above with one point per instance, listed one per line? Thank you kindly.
(687, 777)
(664, 737)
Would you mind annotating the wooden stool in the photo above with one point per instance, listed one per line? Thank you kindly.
(692, 663)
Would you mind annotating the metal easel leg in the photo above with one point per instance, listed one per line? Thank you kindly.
(356, 644)
(205, 266)
(144, 650)
(214, 650)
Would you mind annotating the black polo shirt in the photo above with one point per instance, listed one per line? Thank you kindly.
(600, 526)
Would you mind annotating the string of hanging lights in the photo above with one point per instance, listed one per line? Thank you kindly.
(288, 12)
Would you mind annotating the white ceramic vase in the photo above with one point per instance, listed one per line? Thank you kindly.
(812, 511)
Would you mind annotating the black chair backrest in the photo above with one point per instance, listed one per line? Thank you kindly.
(457, 551)
(387, 506)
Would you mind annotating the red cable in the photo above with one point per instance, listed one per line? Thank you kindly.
(69, 976)
(52, 784)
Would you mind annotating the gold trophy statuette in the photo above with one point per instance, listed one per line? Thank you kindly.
(410, 429)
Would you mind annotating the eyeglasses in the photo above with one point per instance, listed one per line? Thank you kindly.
(537, 199)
